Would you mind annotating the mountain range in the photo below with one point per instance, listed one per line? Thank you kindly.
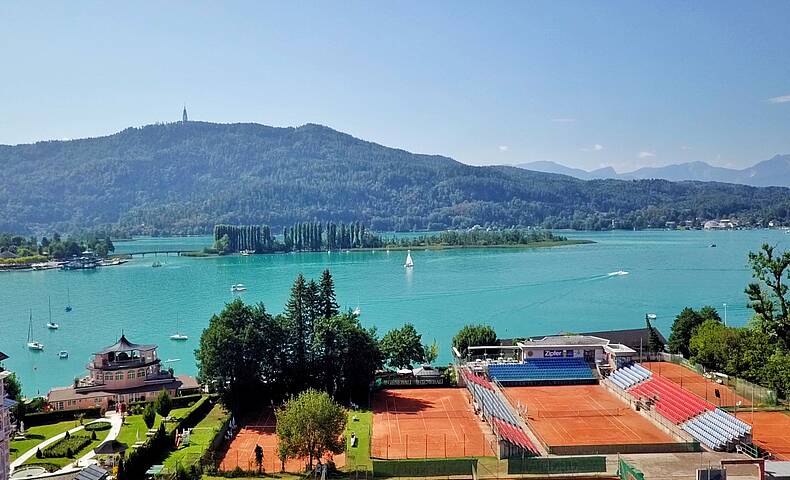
(185, 177)
(772, 172)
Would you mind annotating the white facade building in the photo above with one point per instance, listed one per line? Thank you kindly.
(5, 425)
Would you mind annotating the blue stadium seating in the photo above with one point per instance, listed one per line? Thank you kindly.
(628, 376)
(717, 429)
(542, 369)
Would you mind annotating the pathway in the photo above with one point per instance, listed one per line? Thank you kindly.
(115, 419)
(26, 456)
(116, 422)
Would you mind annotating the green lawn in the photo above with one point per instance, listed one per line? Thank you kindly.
(359, 456)
(134, 423)
(63, 461)
(36, 435)
(200, 440)
(275, 476)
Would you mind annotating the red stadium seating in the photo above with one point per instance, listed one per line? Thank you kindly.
(514, 435)
(671, 401)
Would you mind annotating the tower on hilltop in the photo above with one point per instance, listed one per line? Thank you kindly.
(184, 117)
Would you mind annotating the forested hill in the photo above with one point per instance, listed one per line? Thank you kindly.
(187, 177)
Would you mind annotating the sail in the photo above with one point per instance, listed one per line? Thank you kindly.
(409, 261)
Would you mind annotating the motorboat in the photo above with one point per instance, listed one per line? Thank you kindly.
(238, 287)
(63, 354)
(618, 273)
(156, 264)
(246, 253)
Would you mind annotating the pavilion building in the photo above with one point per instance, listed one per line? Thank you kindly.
(121, 373)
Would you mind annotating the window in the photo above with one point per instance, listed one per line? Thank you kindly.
(130, 375)
(107, 376)
(141, 373)
(119, 376)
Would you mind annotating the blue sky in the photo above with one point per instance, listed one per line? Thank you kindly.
(586, 84)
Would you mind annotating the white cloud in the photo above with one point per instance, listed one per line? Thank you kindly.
(781, 99)
(563, 120)
(595, 148)
(503, 148)
(646, 154)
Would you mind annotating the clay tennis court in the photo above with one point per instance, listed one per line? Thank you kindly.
(426, 423)
(769, 431)
(695, 383)
(260, 430)
(570, 415)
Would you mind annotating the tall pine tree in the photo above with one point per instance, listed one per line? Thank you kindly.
(327, 299)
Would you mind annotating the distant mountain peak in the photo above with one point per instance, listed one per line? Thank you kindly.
(772, 172)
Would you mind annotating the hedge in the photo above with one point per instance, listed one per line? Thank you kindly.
(178, 402)
(98, 426)
(66, 447)
(55, 416)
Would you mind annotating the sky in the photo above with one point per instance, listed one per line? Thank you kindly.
(587, 84)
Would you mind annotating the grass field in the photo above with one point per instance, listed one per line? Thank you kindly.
(36, 435)
(359, 457)
(63, 461)
(200, 440)
(134, 426)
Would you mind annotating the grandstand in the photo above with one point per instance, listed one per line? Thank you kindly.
(496, 411)
(711, 426)
(543, 371)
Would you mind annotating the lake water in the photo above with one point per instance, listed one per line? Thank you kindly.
(520, 292)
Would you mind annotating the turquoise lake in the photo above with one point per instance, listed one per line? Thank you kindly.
(520, 292)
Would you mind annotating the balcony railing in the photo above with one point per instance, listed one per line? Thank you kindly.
(131, 363)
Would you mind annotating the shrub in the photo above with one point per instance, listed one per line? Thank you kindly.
(163, 404)
(39, 454)
(93, 435)
(149, 415)
(98, 426)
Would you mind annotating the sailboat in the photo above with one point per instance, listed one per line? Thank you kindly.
(178, 336)
(50, 324)
(32, 344)
(409, 262)
(68, 300)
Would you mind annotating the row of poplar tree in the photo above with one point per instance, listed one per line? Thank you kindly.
(300, 237)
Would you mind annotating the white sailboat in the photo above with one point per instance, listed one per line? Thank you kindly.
(32, 344)
(409, 262)
(178, 336)
(50, 324)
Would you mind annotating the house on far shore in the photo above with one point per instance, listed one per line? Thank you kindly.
(121, 373)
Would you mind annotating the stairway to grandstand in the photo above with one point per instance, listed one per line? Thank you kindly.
(496, 410)
(543, 371)
(713, 427)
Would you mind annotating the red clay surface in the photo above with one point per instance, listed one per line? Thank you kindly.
(770, 431)
(583, 415)
(695, 383)
(260, 430)
(426, 423)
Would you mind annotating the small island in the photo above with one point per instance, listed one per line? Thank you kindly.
(321, 237)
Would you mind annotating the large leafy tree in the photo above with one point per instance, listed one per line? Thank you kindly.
(310, 425)
(239, 354)
(347, 356)
(768, 296)
(402, 347)
(473, 336)
(684, 326)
